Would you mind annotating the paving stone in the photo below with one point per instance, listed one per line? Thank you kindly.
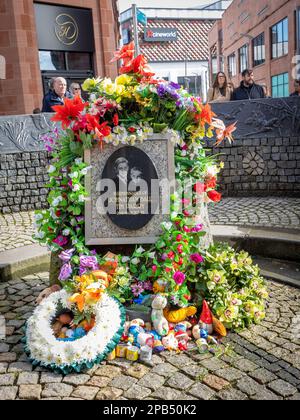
(123, 382)
(152, 381)
(8, 357)
(282, 388)
(195, 372)
(295, 397)
(30, 392)
(20, 367)
(266, 395)
(4, 348)
(85, 392)
(179, 381)
(7, 379)
(99, 381)
(138, 371)
(8, 392)
(109, 393)
(180, 360)
(245, 365)
(76, 380)
(248, 386)
(286, 376)
(262, 376)
(167, 394)
(232, 394)
(28, 378)
(57, 390)
(213, 364)
(137, 392)
(49, 377)
(201, 391)
(230, 374)
(109, 371)
(3, 367)
(215, 382)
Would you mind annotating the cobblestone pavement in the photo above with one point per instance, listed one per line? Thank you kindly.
(256, 211)
(16, 229)
(260, 363)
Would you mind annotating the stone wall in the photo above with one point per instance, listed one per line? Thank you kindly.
(264, 158)
(22, 181)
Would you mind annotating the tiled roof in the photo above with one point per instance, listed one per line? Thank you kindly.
(191, 45)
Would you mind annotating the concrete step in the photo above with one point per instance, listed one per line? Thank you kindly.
(281, 244)
(286, 272)
(23, 261)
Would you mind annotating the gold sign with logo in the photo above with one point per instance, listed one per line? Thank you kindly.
(66, 29)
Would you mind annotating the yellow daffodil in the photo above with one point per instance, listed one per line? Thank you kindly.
(124, 79)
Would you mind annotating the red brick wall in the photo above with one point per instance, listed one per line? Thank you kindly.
(234, 27)
(21, 92)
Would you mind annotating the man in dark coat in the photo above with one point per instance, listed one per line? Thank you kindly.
(56, 95)
(297, 88)
(248, 88)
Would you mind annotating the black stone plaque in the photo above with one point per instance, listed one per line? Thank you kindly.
(128, 181)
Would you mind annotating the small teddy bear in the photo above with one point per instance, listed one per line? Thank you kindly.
(160, 323)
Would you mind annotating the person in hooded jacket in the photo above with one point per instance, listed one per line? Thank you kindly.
(248, 89)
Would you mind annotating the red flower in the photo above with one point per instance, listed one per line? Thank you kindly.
(180, 249)
(140, 66)
(211, 183)
(179, 238)
(116, 119)
(126, 53)
(171, 255)
(214, 196)
(69, 111)
(168, 270)
(132, 129)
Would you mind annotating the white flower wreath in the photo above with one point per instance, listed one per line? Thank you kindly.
(43, 347)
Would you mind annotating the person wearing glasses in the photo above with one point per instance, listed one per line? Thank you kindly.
(220, 92)
(75, 90)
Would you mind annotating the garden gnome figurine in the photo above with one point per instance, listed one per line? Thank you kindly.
(206, 319)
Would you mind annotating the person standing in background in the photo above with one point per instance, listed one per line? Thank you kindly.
(248, 88)
(220, 92)
(75, 90)
(56, 95)
(297, 88)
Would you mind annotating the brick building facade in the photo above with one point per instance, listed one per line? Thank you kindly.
(22, 90)
(264, 36)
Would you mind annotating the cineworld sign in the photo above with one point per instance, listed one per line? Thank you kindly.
(160, 34)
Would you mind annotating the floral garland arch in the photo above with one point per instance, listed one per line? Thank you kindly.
(126, 111)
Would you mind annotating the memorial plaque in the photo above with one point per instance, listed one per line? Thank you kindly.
(129, 191)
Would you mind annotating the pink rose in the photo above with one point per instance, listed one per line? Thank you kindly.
(197, 258)
(179, 278)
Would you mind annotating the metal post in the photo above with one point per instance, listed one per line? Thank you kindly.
(135, 30)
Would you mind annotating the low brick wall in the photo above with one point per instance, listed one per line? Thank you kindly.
(22, 181)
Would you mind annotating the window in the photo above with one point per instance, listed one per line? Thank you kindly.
(243, 53)
(214, 67)
(78, 61)
(52, 60)
(58, 61)
(193, 84)
(280, 38)
(232, 65)
(259, 50)
(280, 85)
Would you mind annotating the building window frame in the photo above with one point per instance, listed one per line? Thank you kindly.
(298, 29)
(280, 85)
(244, 58)
(280, 39)
(232, 65)
(259, 50)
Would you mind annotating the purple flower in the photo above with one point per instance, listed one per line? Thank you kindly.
(88, 263)
(65, 272)
(137, 289)
(197, 258)
(164, 257)
(179, 278)
(197, 228)
(148, 285)
(61, 241)
(161, 90)
(175, 85)
(66, 255)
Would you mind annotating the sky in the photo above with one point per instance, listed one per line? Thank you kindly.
(125, 4)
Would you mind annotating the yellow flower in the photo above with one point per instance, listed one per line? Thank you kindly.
(124, 79)
(108, 86)
(89, 84)
(120, 89)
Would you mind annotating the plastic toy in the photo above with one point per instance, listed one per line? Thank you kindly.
(160, 323)
(179, 315)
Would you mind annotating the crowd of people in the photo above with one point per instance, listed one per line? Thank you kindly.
(223, 90)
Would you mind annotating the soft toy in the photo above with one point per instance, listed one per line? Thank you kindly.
(219, 327)
(160, 323)
(47, 292)
(206, 320)
(158, 347)
(199, 332)
(145, 339)
(179, 315)
(170, 342)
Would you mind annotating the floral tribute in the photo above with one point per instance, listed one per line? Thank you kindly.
(82, 323)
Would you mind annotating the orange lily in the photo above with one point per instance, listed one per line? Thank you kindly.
(79, 300)
(225, 133)
(205, 116)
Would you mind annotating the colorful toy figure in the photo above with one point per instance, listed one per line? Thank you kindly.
(170, 342)
(160, 323)
(206, 320)
(158, 347)
(219, 328)
(179, 315)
